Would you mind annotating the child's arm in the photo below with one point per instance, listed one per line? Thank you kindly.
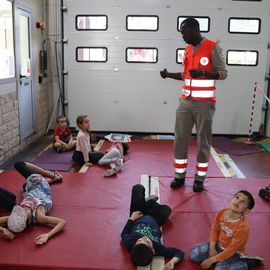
(57, 139)
(58, 224)
(3, 220)
(239, 239)
(4, 231)
(214, 234)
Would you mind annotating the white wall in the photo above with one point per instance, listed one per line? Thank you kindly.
(135, 98)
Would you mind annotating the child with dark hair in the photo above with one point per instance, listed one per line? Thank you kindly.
(7, 200)
(114, 157)
(228, 239)
(141, 235)
(62, 137)
(84, 153)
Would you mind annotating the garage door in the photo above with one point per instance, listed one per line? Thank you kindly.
(116, 49)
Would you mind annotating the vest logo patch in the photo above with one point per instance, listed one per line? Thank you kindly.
(204, 61)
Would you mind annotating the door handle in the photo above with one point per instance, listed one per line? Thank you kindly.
(21, 76)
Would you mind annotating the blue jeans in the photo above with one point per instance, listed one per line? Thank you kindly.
(200, 252)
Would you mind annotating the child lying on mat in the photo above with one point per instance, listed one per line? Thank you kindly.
(114, 157)
(84, 153)
(142, 233)
(228, 239)
(62, 137)
(36, 203)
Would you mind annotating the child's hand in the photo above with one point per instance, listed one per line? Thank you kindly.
(208, 263)
(169, 266)
(135, 215)
(7, 234)
(41, 239)
(88, 164)
(212, 252)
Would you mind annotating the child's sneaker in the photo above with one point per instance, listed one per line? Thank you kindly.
(119, 162)
(109, 172)
(252, 261)
(265, 193)
(60, 150)
(154, 198)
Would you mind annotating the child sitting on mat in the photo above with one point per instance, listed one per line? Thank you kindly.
(114, 157)
(228, 239)
(142, 233)
(84, 153)
(62, 137)
(36, 203)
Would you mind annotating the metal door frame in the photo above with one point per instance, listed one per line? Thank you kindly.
(27, 11)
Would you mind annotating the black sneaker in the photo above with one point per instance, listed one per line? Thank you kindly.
(265, 193)
(177, 182)
(252, 261)
(198, 186)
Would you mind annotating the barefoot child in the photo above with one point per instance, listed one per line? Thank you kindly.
(36, 203)
(62, 137)
(228, 239)
(114, 157)
(84, 154)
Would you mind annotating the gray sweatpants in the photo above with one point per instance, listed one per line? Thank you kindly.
(188, 114)
(107, 158)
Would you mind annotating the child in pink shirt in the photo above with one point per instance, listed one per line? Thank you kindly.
(84, 154)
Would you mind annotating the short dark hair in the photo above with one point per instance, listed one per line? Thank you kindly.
(251, 201)
(125, 148)
(80, 120)
(59, 117)
(191, 22)
(141, 255)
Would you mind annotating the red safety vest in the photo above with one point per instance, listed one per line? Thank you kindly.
(201, 88)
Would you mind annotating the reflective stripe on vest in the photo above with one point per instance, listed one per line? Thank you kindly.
(199, 93)
(200, 83)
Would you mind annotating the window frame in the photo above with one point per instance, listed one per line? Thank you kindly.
(245, 18)
(142, 30)
(14, 78)
(195, 17)
(177, 55)
(140, 62)
(91, 15)
(91, 47)
(240, 65)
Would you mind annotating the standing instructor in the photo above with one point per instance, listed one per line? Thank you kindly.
(203, 64)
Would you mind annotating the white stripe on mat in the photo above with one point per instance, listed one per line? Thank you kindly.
(151, 185)
(219, 162)
(84, 168)
(232, 164)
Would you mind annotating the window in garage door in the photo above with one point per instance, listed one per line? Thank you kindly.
(203, 21)
(91, 22)
(91, 54)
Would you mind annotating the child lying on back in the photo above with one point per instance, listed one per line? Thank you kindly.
(36, 203)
